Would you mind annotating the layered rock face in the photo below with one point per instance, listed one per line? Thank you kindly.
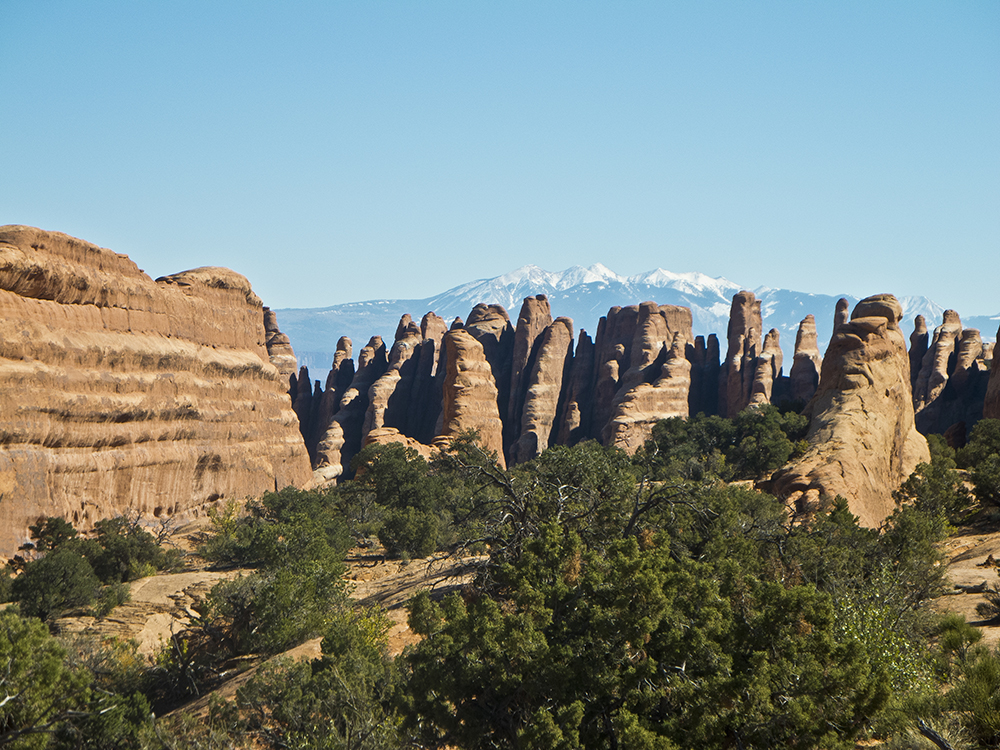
(863, 442)
(121, 393)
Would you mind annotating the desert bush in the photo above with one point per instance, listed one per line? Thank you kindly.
(981, 456)
(281, 526)
(42, 694)
(111, 596)
(61, 580)
(754, 443)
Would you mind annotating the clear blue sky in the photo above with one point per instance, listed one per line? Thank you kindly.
(335, 151)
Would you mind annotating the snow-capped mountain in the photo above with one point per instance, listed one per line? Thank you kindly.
(584, 294)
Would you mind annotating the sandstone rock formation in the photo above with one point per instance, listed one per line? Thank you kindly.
(490, 326)
(738, 368)
(578, 394)
(121, 393)
(841, 314)
(640, 407)
(389, 395)
(933, 375)
(862, 438)
(542, 394)
(470, 394)
(807, 362)
(919, 341)
(534, 318)
(991, 406)
(952, 380)
(767, 369)
(343, 438)
(279, 348)
(705, 371)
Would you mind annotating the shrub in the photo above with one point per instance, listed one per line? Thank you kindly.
(981, 456)
(61, 580)
(111, 596)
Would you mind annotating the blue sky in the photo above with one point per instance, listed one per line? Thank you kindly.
(334, 152)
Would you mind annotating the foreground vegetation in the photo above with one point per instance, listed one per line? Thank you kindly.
(651, 601)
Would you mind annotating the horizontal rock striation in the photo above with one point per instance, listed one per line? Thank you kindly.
(123, 393)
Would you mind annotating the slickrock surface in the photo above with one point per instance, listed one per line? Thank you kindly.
(160, 606)
(544, 386)
(807, 362)
(470, 394)
(862, 438)
(390, 435)
(120, 392)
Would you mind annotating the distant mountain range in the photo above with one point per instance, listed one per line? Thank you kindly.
(585, 294)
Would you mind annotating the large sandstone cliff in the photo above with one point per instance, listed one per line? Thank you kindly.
(120, 392)
(862, 438)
